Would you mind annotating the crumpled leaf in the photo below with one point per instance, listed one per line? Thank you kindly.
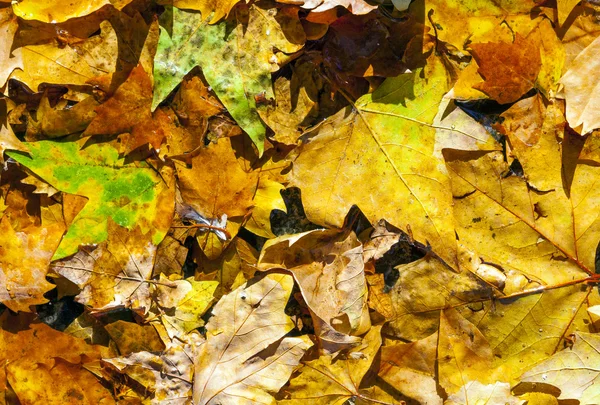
(24, 259)
(359, 142)
(581, 84)
(245, 355)
(129, 194)
(232, 39)
(167, 374)
(573, 370)
(334, 380)
(115, 273)
(329, 268)
(509, 70)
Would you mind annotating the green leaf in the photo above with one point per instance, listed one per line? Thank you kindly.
(236, 56)
(129, 194)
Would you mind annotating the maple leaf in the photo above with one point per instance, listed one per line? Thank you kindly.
(216, 10)
(389, 139)
(245, 345)
(8, 25)
(331, 279)
(355, 6)
(167, 374)
(571, 370)
(36, 371)
(74, 64)
(509, 70)
(128, 194)
(239, 78)
(329, 380)
(8, 140)
(581, 89)
(114, 273)
(59, 10)
(24, 259)
(214, 186)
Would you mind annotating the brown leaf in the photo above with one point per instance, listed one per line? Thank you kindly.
(115, 273)
(509, 70)
(329, 268)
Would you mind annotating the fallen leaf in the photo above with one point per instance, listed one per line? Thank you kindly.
(509, 70)
(492, 394)
(572, 370)
(56, 10)
(235, 86)
(74, 64)
(329, 268)
(246, 355)
(133, 338)
(319, 6)
(216, 10)
(130, 195)
(115, 273)
(24, 259)
(411, 368)
(168, 374)
(44, 365)
(359, 142)
(9, 60)
(329, 380)
(580, 89)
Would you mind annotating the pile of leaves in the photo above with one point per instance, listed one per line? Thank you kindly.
(299, 202)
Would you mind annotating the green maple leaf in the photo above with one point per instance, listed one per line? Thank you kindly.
(129, 194)
(236, 56)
